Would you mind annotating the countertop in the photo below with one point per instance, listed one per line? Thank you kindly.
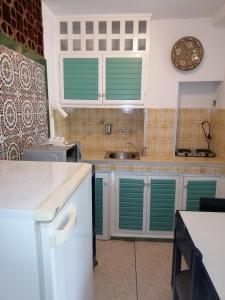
(38, 188)
(99, 157)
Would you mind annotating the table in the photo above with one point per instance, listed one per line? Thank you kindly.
(206, 231)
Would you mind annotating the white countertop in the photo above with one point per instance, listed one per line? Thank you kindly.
(38, 187)
(207, 230)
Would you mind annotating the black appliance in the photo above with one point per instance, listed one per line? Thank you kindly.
(93, 217)
(195, 153)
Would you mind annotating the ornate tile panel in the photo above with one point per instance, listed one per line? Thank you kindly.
(23, 104)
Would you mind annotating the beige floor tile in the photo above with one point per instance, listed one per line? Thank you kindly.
(154, 262)
(114, 276)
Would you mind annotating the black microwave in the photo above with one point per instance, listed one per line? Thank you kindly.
(46, 152)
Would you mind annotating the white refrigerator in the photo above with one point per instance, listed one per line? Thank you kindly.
(45, 231)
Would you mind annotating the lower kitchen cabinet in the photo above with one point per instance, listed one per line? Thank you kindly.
(131, 203)
(196, 187)
(101, 205)
(145, 205)
(162, 204)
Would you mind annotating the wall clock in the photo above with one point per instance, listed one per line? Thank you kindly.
(187, 53)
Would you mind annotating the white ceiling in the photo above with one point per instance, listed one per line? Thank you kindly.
(160, 9)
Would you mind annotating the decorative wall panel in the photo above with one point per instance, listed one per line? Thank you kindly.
(22, 21)
(23, 104)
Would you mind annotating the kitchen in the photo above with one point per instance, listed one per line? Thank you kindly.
(161, 121)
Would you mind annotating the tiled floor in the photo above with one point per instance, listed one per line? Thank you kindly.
(130, 270)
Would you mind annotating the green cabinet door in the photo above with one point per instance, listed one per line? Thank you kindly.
(99, 205)
(80, 78)
(197, 189)
(162, 204)
(131, 202)
(123, 78)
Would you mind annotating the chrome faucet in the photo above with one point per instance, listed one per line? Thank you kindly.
(143, 150)
(129, 143)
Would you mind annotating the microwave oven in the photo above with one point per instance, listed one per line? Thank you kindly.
(46, 152)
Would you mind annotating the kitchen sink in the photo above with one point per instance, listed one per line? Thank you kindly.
(122, 155)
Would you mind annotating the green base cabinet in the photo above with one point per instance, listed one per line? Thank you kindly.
(162, 204)
(146, 204)
(194, 188)
(131, 203)
(101, 205)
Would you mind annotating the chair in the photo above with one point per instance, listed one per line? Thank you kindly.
(212, 204)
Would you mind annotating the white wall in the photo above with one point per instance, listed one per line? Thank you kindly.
(197, 94)
(50, 26)
(220, 95)
(164, 78)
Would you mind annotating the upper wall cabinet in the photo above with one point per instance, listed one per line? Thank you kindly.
(103, 60)
(102, 79)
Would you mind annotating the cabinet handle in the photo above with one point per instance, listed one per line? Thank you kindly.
(99, 95)
(105, 184)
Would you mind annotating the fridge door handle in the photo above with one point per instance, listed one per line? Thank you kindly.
(63, 231)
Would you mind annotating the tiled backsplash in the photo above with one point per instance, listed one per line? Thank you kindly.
(23, 104)
(160, 131)
(218, 132)
(87, 125)
(190, 134)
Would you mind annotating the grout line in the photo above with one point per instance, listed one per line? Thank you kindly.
(135, 263)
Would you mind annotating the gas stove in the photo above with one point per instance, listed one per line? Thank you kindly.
(194, 153)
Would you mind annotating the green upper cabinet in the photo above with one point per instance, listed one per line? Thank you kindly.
(123, 78)
(81, 78)
(102, 79)
(162, 204)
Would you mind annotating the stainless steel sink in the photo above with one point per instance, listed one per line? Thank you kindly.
(122, 155)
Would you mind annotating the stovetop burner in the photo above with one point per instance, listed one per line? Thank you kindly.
(194, 152)
(184, 150)
(203, 151)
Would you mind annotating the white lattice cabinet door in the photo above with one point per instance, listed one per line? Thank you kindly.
(118, 49)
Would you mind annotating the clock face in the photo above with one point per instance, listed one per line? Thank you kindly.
(187, 53)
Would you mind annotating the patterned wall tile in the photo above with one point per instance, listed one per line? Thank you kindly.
(22, 21)
(23, 104)
(88, 127)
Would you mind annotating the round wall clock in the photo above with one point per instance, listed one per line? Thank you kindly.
(187, 53)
